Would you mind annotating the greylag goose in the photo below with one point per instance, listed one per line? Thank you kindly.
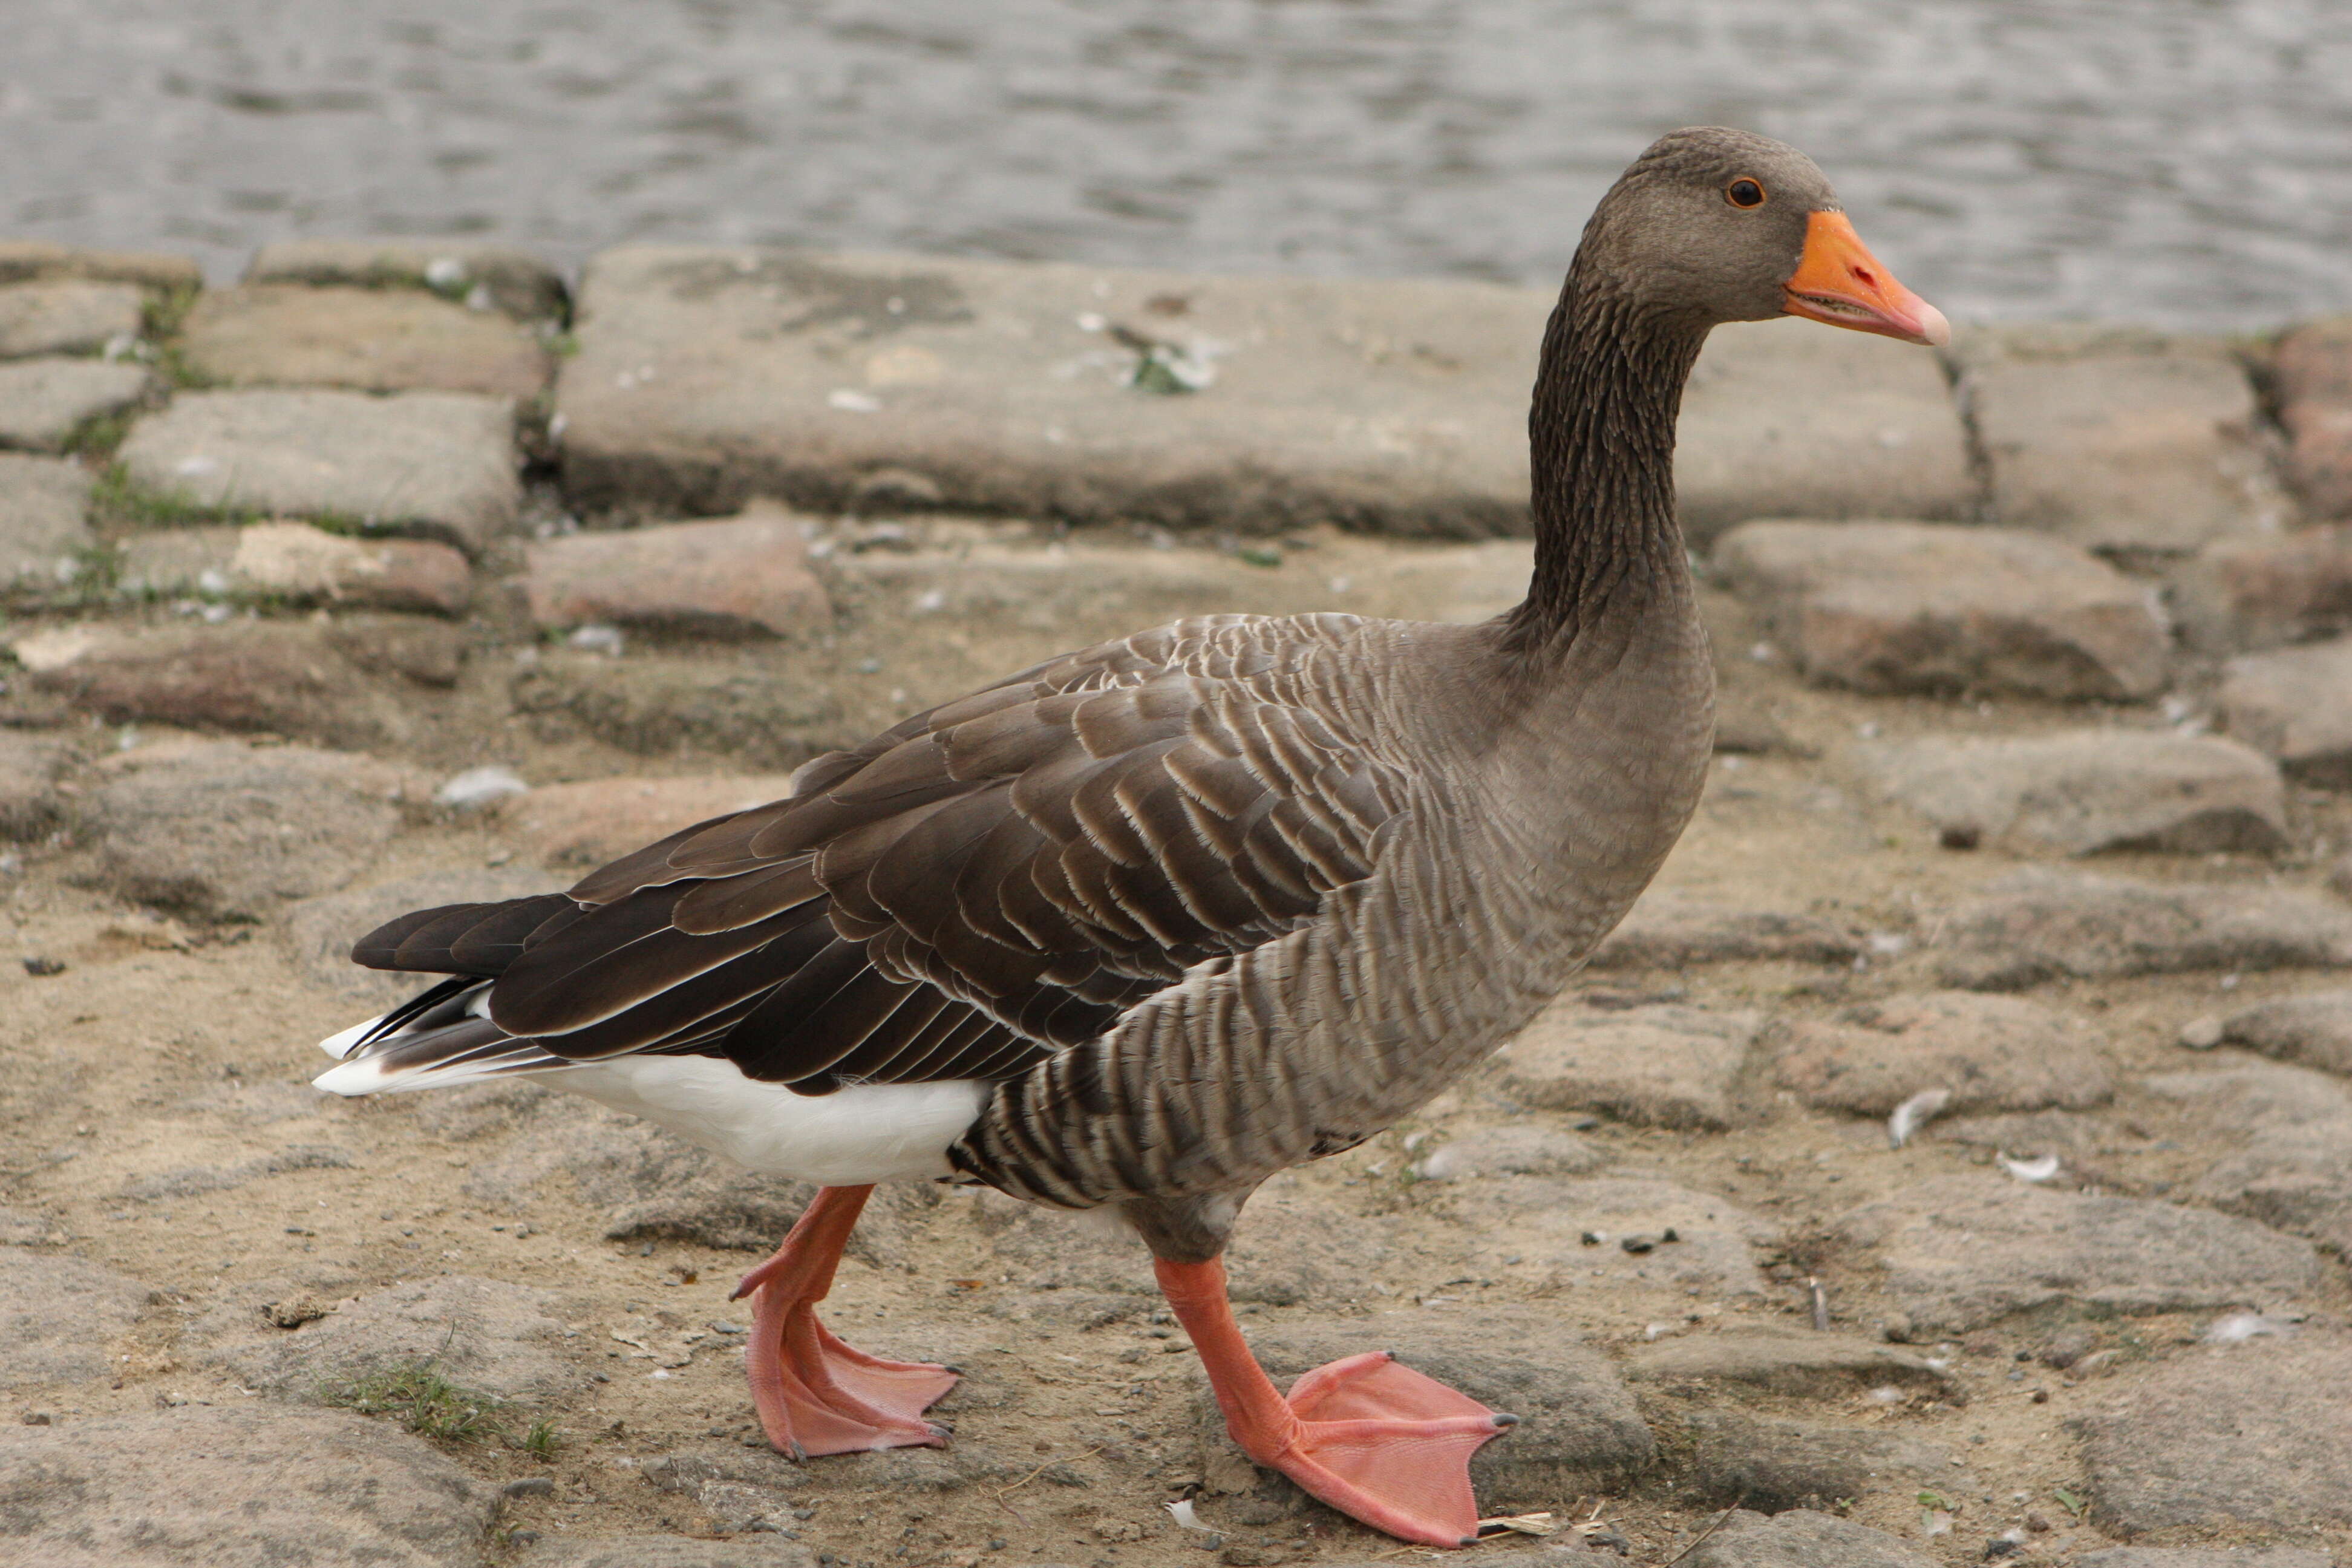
(1143, 925)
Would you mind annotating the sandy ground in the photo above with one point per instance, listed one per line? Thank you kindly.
(161, 1048)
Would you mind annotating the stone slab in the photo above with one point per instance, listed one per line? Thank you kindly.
(66, 316)
(1672, 931)
(2313, 1030)
(2244, 595)
(1836, 1367)
(372, 340)
(589, 823)
(1775, 1466)
(285, 678)
(1990, 1053)
(743, 1491)
(1544, 1224)
(227, 832)
(487, 1336)
(1095, 583)
(2037, 925)
(2288, 1133)
(1914, 607)
(707, 375)
(59, 1315)
(425, 650)
(754, 715)
(2295, 704)
(2089, 792)
(1291, 1246)
(2319, 455)
(747, 575)
(1964, 1251)
(44, 503)
(197, 1181)
(521, 285)
(436, 463)
(1657, 1067)
(296, 563)
(212, 1485)
(44, 401)
(2153, 453)
(2204, 1557)
(22, 260)
(1802, 1539)
(1523, 1146)
(2312, 371)
(648, 1549)
(30, 767)
(2258, 1433)
(1783, 419)
(1578, 1430)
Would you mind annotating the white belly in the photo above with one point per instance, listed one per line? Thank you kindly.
(866, 1133)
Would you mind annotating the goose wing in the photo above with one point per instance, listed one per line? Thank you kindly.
(972, 890)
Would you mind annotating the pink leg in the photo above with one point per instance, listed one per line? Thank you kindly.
(815, 1394)
(1378, 1441)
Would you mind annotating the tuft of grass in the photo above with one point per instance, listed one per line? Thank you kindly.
(100, 434)
(117, 497)
(172, 365)
(98, 572)
(542, 1440)
(424, 1401)
(159, 325)
(165, 308)
(341, 522)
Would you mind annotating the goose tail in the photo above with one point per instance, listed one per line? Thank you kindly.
(438, 1039)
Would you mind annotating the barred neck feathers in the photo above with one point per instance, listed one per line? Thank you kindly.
(1601, 440)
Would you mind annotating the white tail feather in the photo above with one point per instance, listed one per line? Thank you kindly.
(339, 1045)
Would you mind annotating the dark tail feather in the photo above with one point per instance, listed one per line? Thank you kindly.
(478, 939)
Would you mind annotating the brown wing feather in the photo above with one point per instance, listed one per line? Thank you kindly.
(975, 888)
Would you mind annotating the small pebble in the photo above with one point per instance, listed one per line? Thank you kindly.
(42, 968)
(529, 1486)
(2202, 1033)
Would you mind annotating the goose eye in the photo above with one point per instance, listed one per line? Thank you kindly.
(1744, 194)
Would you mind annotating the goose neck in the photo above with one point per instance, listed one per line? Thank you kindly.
(1601, 444)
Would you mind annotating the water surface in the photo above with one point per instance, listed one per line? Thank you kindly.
(2187, 161)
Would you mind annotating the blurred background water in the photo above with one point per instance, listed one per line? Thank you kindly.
(2186, 161)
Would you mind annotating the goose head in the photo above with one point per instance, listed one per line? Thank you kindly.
(1733, 226)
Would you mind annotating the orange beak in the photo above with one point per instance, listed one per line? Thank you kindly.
(1837, 281)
